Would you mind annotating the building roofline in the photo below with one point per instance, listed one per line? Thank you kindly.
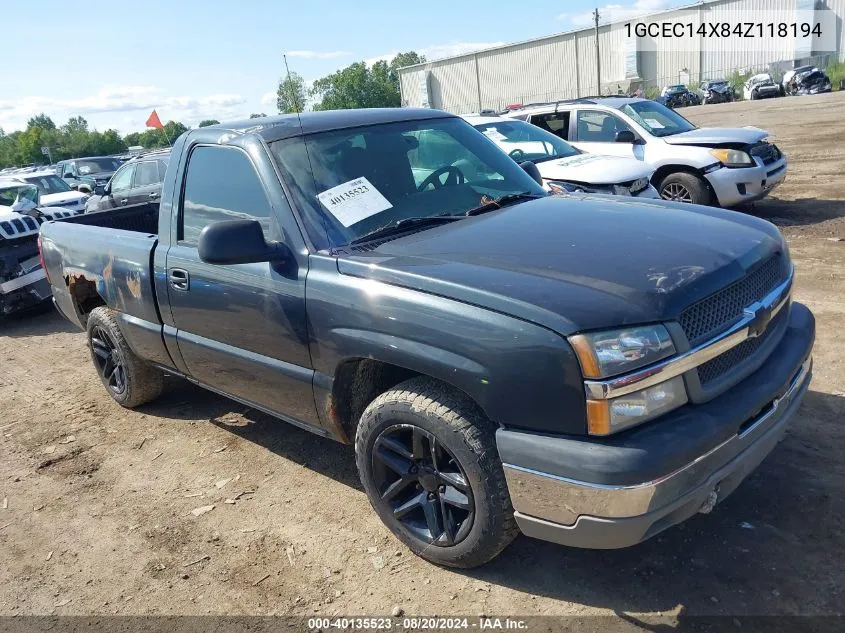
(691, 5)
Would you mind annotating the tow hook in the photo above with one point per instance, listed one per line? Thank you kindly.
(710, 502)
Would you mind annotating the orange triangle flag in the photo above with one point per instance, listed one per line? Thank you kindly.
(154, 121)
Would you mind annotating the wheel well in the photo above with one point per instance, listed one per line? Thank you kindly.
(356, 384)
(661, 172)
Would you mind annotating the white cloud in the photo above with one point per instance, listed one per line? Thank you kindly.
(613, 12)
(103, 108)
(268, 98)
(318, 54)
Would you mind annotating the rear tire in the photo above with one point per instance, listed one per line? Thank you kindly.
(129, 380)
(682, 186)
(428, 461)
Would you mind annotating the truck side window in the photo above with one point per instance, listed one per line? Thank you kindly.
(221, 184)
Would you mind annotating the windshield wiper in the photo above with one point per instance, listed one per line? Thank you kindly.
(498, 203)
(401, 226)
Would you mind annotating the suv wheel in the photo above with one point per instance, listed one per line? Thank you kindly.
(129, 380)
(684, 187)
(428, 461)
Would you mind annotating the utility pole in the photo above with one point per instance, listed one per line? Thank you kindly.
(598, 51)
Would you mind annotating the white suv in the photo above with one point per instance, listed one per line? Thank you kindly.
(724, 166)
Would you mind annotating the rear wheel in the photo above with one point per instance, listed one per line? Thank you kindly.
(684, 187)
(129, 380)
(428, 461)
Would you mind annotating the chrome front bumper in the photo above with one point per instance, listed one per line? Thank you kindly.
(742, 186)
(584, 514)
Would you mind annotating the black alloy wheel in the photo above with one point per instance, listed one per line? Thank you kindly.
(108, 360)
(423, 485)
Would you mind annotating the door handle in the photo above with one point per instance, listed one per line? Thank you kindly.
(124, 201)
(179, 279)
(154, 194)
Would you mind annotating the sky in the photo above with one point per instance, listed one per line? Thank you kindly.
(114, 62)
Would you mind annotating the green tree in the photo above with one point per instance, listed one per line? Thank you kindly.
(75, 137)
(362, 86)
(42, 121)
(207, 122)
(290, 95)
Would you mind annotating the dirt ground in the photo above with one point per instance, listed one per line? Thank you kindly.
(96, 502)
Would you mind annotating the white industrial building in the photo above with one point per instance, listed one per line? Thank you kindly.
(563, 66)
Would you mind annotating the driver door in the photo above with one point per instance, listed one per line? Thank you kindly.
(595, 132)
(118, 188)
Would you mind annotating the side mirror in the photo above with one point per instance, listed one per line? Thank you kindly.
(625, 136)
(531, 169)
(237, 242)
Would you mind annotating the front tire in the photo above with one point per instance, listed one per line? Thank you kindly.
(684, 187)
(428, 461)
(129, 380)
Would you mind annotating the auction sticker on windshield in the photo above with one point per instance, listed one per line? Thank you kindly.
(354, 201)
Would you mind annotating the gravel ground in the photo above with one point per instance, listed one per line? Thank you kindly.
(96, 502)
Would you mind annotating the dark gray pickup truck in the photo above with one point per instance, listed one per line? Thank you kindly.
(587, 370)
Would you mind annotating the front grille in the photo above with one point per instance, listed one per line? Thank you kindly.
(721, 310)
(713, 369)
(767, 152)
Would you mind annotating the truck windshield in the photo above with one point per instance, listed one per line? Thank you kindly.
(350, 182)
(523, 141)
(657, 118)
(96, 165)
(49, 183)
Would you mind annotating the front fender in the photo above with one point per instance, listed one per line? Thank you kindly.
(522, 375)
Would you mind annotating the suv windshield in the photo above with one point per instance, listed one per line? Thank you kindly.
(96, 165)
(350, 182)
(523, 141)
(48, 184)
(657, 118)
(676, 89)
(19, 197)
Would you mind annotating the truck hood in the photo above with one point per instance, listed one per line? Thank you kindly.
(594, 169)
(578, 262)
(65, 197)
(718, 135)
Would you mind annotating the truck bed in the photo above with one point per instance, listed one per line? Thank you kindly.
(104, 258)
(138, 218)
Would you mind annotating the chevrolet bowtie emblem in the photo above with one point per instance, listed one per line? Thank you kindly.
(760, 318)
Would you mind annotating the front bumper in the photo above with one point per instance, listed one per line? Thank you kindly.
(648, 192)
(616, 492)
(734, 187)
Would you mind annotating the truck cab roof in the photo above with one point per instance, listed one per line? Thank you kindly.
(274, 128)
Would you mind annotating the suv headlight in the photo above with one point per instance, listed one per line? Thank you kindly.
(615, 352)
(732, 157)
(561, 186)
(639, 184)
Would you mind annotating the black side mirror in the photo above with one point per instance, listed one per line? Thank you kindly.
(625, 136)
(531, 169)
(238, 242)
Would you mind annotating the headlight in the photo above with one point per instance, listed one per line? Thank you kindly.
(732, 157)
(605, 417)
(561, 186)
(604, 354)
